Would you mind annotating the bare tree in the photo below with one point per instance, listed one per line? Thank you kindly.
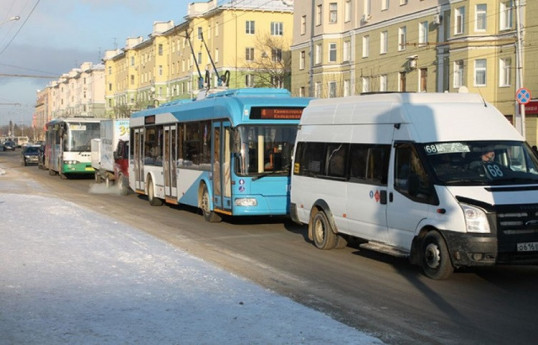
(272, 67)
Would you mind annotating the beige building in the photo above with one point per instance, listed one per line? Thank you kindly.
(77, 93)
(245, 43)
(347, 47)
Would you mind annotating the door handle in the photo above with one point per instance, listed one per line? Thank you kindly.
(383, 197)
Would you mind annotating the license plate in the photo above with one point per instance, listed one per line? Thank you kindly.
(527, 247)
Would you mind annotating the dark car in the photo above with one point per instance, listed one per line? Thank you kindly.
(30, 155)
(9, 145)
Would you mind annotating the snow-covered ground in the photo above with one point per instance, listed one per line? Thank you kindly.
(69, 275)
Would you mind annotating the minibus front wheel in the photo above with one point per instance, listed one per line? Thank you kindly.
(436, 261)
(322, 230)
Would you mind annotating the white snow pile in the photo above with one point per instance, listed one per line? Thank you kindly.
(69, 275)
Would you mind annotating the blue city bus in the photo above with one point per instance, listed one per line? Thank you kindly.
(227, 154)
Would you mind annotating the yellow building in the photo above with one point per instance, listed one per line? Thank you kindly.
(347, 47)
(247, 44)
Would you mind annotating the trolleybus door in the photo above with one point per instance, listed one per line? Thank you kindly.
(170, 162)
(138, 147)
(222, 158)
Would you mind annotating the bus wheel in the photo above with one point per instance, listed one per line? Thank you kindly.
(209, 215)
(322, 231)
(435, 257)
(153, 201)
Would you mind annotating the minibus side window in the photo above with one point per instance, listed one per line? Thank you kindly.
(410, 177)
(336, 160)
(310, 159)
(369, 163)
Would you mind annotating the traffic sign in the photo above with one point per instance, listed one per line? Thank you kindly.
(523, 96)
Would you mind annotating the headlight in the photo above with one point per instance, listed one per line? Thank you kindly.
(475, 219)
(248, 202)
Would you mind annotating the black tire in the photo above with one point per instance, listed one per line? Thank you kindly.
(153, 201)
(436, 261)
(209, 216)
(322, 231)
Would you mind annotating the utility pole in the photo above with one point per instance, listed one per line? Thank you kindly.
(520, 108)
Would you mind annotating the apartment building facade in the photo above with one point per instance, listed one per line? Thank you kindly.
(348, 47)
(246, 43)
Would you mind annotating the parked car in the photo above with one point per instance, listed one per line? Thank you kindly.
(29, 155)
(9, 146)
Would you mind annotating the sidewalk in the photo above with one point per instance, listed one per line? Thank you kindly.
(69, 275)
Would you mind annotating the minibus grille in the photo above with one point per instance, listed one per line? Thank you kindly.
(516, 224)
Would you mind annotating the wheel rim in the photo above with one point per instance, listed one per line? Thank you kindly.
(319, 230)
(432, 256)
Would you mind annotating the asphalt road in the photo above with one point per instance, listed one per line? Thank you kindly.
(384, 296)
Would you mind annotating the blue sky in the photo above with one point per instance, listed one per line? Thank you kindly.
(59, 35)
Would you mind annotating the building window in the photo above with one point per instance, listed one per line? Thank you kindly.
(277, 28)
(506, 15)
(346, 54)
(216, 54)
(367, 8)
(276, 54)
(480, 69)
(383, 42)
(383, 83)
(459, 74)
(249, 54)
(423, 85)
(132, 61)
(199, 58)
(332, 52)
(402, 38)
(459, 21)
(160, 48)
(317, 90)
(481, 17)
(365, 84)
(347, 11)
(332, 89)
(317, 58)
(160, 70)
(249, 80)
(403, 2)
(365, 46)
(347, 88)
(250, 27)
(302, 91)
(403, 82)
(384, 5)
(302, 58)
(333, 12)
(423, 33)
(318, 15)
(200, 33)
(303, 25)
(132, 79)
(505, 66)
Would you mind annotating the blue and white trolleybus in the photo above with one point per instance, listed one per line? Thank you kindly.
(228, 154)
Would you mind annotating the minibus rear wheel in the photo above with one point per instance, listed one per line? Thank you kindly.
(322, 231)
(435, 257)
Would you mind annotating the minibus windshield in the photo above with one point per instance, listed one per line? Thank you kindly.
(482, 162)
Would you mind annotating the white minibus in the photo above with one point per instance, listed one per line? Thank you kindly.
(443, 179)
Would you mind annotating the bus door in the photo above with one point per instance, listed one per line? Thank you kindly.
(138, 149)
(170, 163)
(222, 157)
